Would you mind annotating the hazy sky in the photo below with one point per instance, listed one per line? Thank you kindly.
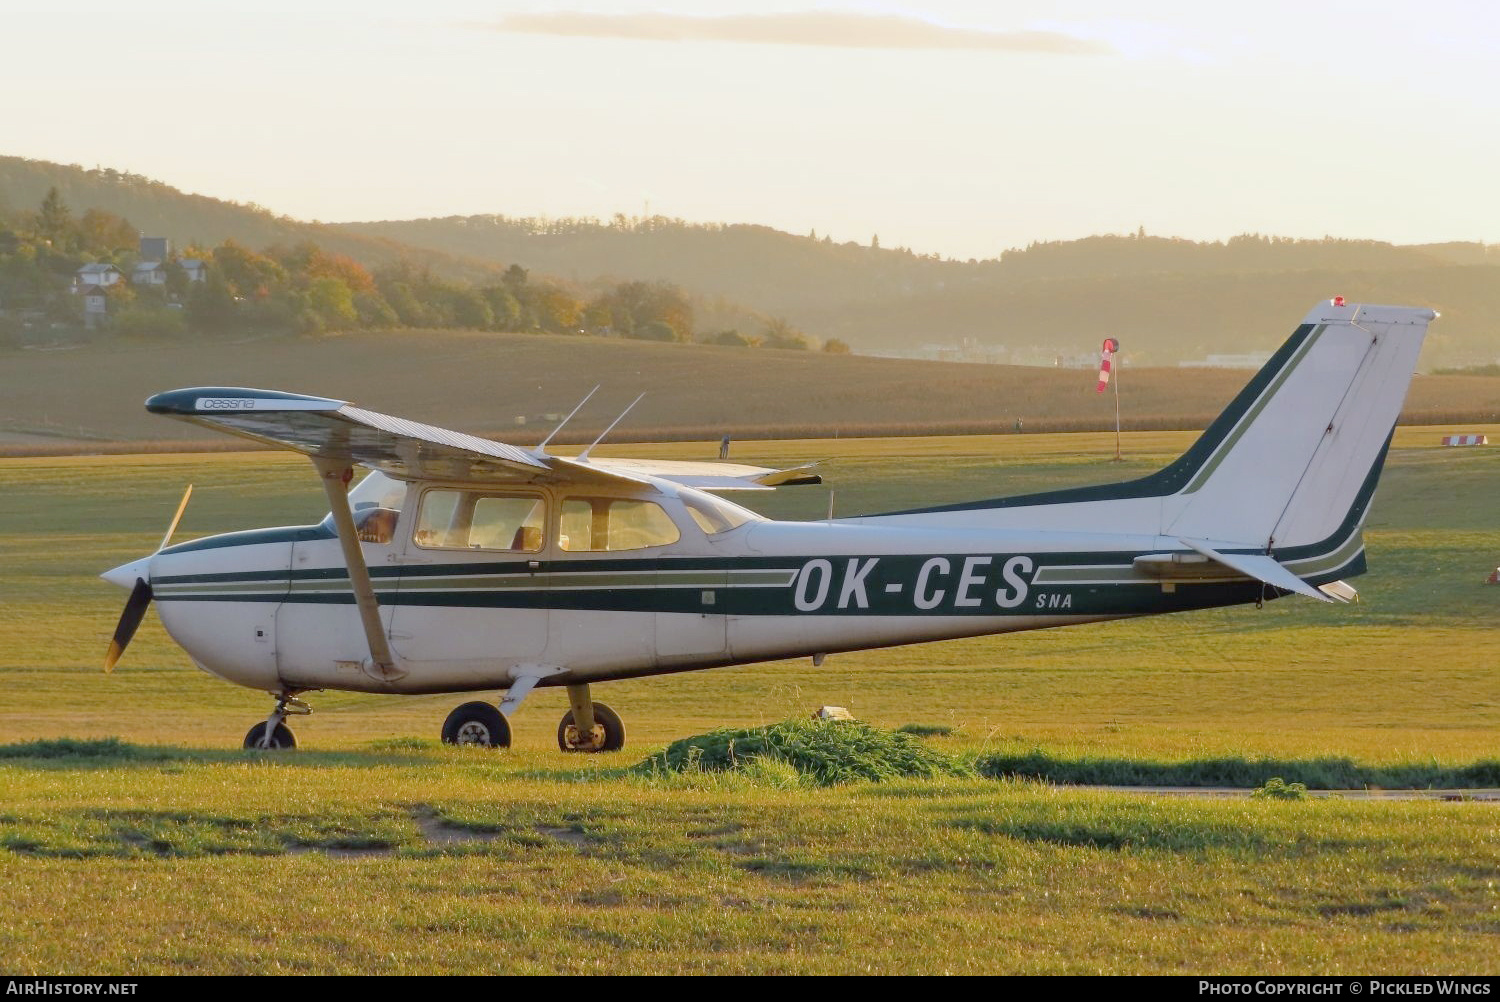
(954, 127)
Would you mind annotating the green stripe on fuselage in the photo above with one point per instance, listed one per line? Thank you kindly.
(1309, 566)
(1099, 574)
(889, 585)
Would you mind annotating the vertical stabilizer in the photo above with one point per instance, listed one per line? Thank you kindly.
(1299, 461)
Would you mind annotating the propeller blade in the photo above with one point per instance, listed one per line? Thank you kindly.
(175, 519)
(140, 595)
(130, 620)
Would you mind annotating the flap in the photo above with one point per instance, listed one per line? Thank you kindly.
(712, 476)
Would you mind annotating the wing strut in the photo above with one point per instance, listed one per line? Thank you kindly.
(335, 474)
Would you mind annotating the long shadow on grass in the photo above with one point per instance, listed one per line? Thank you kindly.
(112, 753)
(99, 754)
(411, 829)
(1126, 830)
(1315, 774)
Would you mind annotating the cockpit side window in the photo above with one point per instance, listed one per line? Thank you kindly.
(507, 523)
(472, 520)
(376, 525)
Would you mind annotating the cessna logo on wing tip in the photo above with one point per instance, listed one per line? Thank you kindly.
(225, 404)
(956, 584)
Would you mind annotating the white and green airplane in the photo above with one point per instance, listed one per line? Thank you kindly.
(461, 564)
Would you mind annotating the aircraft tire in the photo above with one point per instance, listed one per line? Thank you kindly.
(604, 717)
(478, 724)
(282, 738)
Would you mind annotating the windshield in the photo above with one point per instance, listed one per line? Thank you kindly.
(376, 493)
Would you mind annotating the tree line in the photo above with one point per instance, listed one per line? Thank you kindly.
(300, 287)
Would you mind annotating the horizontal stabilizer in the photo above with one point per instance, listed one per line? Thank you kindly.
(1343, 591)
(1260, 567)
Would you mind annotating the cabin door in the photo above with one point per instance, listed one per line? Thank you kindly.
(473, 591)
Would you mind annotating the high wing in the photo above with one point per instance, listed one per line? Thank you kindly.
(331, 429)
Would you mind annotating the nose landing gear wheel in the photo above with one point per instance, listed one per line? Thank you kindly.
(478, 724)
(608, 733)
(281, 738)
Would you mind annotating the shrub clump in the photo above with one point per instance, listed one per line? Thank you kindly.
(1277, 788)
(825, 752)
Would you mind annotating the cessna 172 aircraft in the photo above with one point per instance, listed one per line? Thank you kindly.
(461, 564)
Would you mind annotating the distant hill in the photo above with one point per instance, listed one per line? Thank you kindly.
(1172, 298)
(158, 209)
(1167, 299)
(1162, 319)
(737, 260)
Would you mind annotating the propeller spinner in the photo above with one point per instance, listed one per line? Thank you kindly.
(137, 571)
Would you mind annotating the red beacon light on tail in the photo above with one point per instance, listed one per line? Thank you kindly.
(1338, 300)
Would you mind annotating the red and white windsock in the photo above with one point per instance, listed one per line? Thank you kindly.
(1106, 361)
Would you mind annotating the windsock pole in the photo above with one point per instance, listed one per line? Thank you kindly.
(1107, 376)
(1116, 381)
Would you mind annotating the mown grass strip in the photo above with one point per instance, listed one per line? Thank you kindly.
(92, 749)
(1238, 772)
(98, 754)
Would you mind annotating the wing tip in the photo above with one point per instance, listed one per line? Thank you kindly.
(195, 401)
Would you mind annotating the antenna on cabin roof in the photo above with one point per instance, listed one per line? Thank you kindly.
(585, 453)
(543, 447)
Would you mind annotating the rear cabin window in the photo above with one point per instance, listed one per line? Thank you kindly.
(470, 520)
(613, 524)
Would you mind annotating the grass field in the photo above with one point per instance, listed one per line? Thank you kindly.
(481, 383)
(376, 850)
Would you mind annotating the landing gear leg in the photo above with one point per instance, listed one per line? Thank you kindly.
(589, 726)
(272, 733)
(583, 709)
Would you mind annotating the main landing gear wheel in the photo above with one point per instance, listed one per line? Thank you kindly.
(478, 724)
(281, 738)
(607, 734)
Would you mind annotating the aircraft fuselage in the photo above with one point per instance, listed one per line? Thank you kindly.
(272, 608)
